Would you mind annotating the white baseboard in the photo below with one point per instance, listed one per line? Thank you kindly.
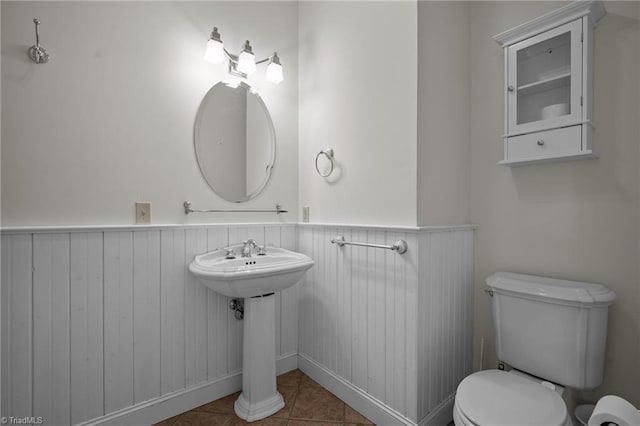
(286, 363)
(370, 407)
(362, 402)
(172, 404)
(442, 415)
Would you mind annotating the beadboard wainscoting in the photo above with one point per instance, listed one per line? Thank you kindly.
(107, 325)
(389, 333)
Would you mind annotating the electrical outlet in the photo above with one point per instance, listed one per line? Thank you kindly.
(305, 214)
(143, 213)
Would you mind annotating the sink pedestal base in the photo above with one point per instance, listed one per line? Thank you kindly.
(259, 397)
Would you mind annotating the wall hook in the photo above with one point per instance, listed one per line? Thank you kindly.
(37, 53)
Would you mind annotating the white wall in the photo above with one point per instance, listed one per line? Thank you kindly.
(396, 328)
(358, 312)
(444, 92)
(358, 70)
(576, 220)
(109, 121)
(100, 320)
(387, 86)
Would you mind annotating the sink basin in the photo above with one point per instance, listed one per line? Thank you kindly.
(245, 277)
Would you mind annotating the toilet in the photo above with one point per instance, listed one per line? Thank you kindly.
(552, 333)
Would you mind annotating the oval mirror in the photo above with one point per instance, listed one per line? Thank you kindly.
(234, 141)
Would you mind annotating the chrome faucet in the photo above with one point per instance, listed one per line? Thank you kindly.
(246, 248)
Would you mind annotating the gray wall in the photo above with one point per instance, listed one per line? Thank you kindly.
(575, 220)
(444, 90)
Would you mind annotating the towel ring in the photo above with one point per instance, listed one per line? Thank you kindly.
(329, 154)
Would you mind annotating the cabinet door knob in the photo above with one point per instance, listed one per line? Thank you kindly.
(540, 142)
(510, 88)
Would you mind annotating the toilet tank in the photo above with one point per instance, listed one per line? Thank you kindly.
(550, 328)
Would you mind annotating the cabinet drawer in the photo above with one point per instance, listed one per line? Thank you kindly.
(551, 143)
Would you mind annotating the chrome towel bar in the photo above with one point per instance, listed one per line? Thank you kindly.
(400, 246)
(188, 209)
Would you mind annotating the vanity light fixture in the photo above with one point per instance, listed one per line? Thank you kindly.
(247, 60)
(214, 52)
(274, 70)
(243, 64)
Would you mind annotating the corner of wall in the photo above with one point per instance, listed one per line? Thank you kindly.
(443, 136)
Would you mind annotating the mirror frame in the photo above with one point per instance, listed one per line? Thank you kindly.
(272, 133)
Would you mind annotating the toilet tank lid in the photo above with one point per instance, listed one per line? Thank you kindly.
(551, 289)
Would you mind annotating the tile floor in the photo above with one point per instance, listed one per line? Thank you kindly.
(306, 404)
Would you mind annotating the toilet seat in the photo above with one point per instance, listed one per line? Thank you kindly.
(495, 397)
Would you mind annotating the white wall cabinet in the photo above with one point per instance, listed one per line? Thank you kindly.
(549, 86)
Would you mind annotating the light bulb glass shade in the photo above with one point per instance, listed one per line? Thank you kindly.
(274, 73)
(214, 52)
(246, 62)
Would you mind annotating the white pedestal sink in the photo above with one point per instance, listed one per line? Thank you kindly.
(255, 279)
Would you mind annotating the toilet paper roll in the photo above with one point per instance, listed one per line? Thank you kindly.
(613, 409)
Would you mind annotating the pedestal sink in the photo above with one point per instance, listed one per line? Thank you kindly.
(255, 274)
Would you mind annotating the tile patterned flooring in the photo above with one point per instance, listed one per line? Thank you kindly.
(306, 404)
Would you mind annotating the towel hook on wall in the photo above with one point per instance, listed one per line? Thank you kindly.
(37, 53)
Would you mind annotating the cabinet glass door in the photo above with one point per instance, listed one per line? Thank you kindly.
(545, 80)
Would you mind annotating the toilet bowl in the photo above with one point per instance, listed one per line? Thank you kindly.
(500, 398)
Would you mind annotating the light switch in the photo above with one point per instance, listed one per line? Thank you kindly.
(143, 213)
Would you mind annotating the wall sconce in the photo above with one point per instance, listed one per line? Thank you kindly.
(243, 64)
